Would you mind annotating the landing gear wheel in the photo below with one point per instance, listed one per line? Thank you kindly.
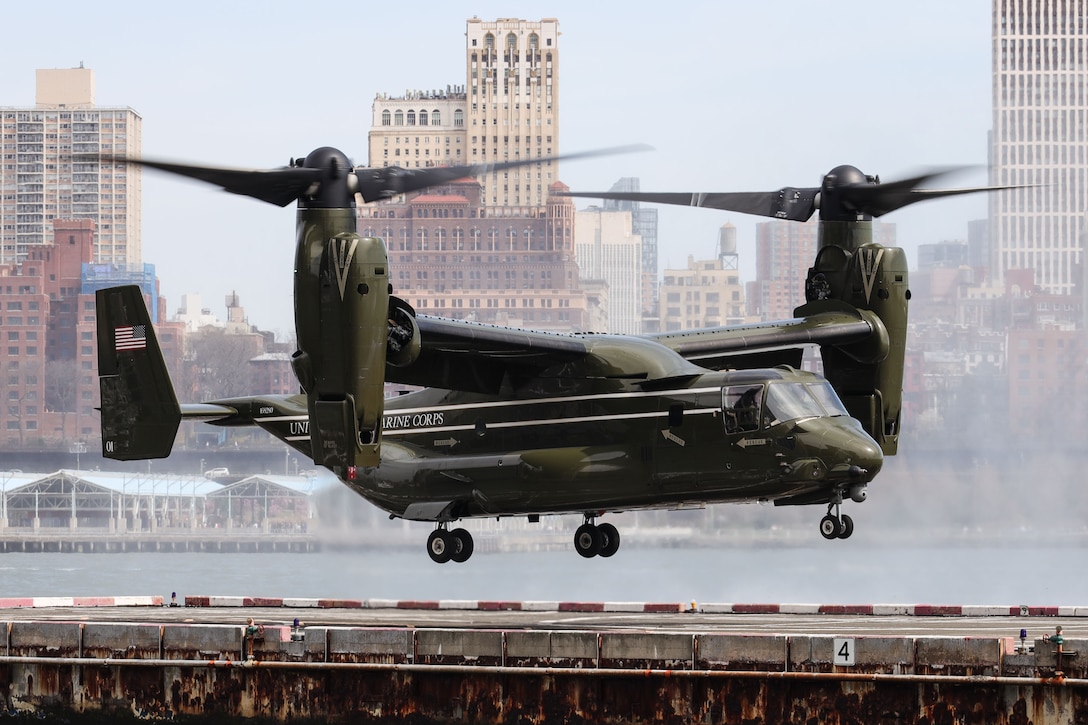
(847, 527)
(587, 541)
(462, 545)
(610, 539)
(830, 527)
(440, 546)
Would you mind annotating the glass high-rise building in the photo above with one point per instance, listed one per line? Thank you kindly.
(1039, 139)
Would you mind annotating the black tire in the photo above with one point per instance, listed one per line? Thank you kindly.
(610, 539)
(847, 527)
(440, 546)
(462, 545)
(830, 527)
(587, 541)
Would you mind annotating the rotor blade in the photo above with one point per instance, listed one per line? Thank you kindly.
(786, 203)
(276, 186)
(389, 181)
(879, 199)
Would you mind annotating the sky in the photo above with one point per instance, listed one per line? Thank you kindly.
(732, 95)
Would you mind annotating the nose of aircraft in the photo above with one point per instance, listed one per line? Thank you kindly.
(866, 455)
(848, 452)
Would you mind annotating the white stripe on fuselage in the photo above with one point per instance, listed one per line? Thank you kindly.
(483, 405)
(562, 399)
(543, 421)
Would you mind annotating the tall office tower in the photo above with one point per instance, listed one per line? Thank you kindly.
(512, 72)
(43, 176)
(1039, 139)
(608, 250)
(644, 224)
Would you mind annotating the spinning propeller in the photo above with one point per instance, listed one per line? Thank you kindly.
(846, 194)
(325, 178)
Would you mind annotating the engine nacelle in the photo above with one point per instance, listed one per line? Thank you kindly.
(871, 278)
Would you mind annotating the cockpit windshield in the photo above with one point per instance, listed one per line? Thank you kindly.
(750, 407)
(828, 398)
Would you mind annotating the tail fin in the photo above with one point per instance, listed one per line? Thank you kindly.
(140, 412)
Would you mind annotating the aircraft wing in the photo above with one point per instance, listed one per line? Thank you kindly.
(473, 357)
(460, 355)
(777, 342)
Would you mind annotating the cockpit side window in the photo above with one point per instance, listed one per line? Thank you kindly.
(741, 407)
(790, 401)
(828, 398)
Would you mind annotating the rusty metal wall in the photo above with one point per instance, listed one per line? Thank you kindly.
(445, 694)
(359, 674)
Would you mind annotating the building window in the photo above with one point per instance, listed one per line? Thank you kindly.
(387, 119)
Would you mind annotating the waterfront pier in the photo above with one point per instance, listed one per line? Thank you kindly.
(444, 674)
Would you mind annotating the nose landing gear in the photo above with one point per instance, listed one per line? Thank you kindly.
(591, 540)
(836, 525)
(443, 545)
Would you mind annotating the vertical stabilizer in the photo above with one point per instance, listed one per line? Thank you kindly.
(140, 412)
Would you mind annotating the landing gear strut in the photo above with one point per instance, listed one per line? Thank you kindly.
(591, 540)
(836, 525)
(443, 545)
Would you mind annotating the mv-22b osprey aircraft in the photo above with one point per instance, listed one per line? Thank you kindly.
(514, 422)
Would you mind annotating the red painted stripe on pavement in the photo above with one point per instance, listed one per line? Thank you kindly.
(339, 604)
(262, 601)
(499, 606)
(93, 601)
(16, 602)
(937, 610)
(410, 604)
(757, 608)
(1041, 611)
(846, 609)
(581, 606)
(662, 608)
(198, 601)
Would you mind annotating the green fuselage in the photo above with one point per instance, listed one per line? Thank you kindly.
(447, 455)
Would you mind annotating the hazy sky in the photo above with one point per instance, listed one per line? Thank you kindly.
(733, 95)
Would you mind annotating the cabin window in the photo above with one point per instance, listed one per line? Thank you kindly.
(741, 406)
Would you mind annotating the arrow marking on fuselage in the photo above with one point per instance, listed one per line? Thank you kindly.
(340, 252)
(451, 442)
(745, 442)
(670, 436)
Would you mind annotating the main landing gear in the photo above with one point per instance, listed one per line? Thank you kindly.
(836, 525)
(443, 545)
(591, 540)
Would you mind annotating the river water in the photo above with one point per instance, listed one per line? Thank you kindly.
(822, 573)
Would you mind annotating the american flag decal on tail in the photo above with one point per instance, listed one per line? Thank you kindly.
(130, 337)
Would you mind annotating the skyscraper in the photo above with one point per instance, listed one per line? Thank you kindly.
(644, 224)
(500, 250)
(43, 176)
(1039, 139)
(512, 77)
(607, 249)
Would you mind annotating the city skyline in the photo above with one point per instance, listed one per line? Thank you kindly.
(742, 83)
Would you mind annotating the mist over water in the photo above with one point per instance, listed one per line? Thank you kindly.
(840, 572)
